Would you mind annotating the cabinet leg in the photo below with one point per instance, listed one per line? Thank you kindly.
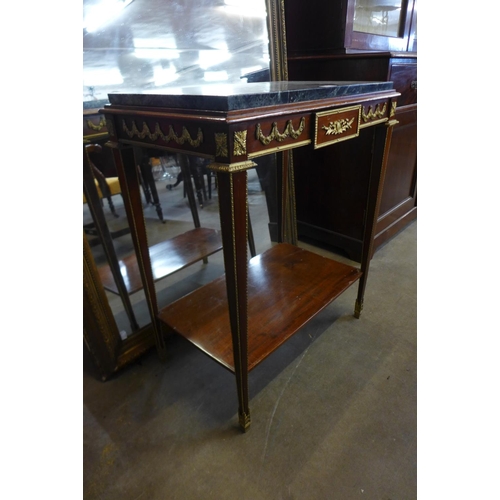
(106, 238)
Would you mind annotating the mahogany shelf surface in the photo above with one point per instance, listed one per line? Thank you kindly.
(287, 286)
(166, 257)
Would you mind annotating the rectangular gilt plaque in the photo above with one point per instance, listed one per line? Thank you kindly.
(336, 125)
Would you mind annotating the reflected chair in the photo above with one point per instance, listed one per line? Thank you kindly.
(106, 186)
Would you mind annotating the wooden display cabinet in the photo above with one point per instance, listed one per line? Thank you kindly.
(340, 51)
(106, 348)
(350, 25)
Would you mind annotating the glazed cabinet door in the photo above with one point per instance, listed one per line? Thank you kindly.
(340, 26)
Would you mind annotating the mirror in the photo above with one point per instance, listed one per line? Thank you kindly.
(142, 44)
(132, 45)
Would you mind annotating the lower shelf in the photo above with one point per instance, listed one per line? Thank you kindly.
(167, 257)
(287, 286)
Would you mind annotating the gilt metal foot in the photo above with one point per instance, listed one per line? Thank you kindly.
(245, 421)
(358, 307)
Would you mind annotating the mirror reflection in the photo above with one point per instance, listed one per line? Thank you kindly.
(148, 45)
(152, 44)
(378, 17)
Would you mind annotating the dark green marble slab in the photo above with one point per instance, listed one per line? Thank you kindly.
(238, 96)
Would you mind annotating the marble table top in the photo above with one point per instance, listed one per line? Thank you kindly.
(232, 97)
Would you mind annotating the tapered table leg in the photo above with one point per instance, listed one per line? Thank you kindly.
(233, 206)
(287, 220)
(251, 240)
(381, 145)
(129, 180)
(186, 175)
(147, 175)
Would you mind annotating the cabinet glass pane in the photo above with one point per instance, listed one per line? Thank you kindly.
(378, 17)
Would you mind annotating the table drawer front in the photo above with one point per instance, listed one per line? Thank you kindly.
(404, 77)
(336, 125)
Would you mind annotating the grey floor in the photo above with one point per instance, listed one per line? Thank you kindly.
(334, 410)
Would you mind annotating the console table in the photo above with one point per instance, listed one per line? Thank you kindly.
(243, 316)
